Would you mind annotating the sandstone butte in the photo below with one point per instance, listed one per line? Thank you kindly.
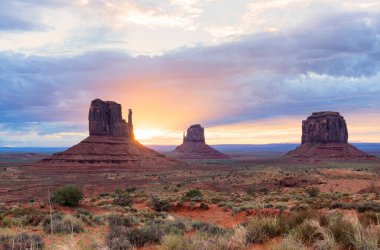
(111, 141)
(325, 136)
(194, 146)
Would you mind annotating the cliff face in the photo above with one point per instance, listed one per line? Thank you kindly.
(105, 118)
(195, 133)
(324, 127)
(325, 136)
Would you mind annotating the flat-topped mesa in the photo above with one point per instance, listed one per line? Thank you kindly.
(105, 118)
(195, 133)
(324, 127)
(325, 137)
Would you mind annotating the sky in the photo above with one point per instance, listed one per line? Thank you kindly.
(248, 71)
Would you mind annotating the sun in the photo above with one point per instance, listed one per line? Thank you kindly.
(146, 134)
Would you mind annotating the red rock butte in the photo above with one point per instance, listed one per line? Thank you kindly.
(325, 136)
(111, 141)
(194, 146)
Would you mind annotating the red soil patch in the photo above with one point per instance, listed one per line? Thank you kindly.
(214, 215)
(350, 186)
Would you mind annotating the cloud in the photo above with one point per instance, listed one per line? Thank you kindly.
(315, 66)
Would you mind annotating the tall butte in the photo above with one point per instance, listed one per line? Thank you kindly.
(194, 146)
(111, 141)
(325, 136)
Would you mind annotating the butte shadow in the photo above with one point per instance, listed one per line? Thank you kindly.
(194, 146)
(111, 142)
(325, 137)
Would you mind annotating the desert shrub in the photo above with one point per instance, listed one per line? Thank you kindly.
(158, 204)
(298, 208)
(193, 195)
(208, 228)
(61, 224)
(203, 242)
(369, 218)
(21, 241)
(288, 243)
(311, 233)
(290, 221)
(307, 232)
(104, 194)
(173, 242)
(130, 189)
(116, 238)
(25, 216)
(251, 190)
(238, 239)
(147, 234)
(123, 199)
(117, 220)
(215, 200)
(312, 191)
(351, 234)
(204, 206)
(281, 207)
(369, 206)
(260, 229)
(118, 191)
(84, 215)
(119, 234)
(67, 196)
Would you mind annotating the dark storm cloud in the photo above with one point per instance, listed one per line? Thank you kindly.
(332, 63)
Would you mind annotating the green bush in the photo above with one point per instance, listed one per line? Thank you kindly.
(67, 196)
(193, 195)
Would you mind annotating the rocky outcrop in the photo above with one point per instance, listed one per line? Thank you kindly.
(325, 136)
(195, 133)
(324, 127)
(194, 146)
(111, 142)
(105, 118)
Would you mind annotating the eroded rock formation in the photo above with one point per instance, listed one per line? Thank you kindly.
(194, 146)
(325, 136)
(195, 133)
(111, 141)
(324, 127)
(105, 118)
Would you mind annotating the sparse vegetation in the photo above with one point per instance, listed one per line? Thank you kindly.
(21, 241)
(158, 204)
(59, 223)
